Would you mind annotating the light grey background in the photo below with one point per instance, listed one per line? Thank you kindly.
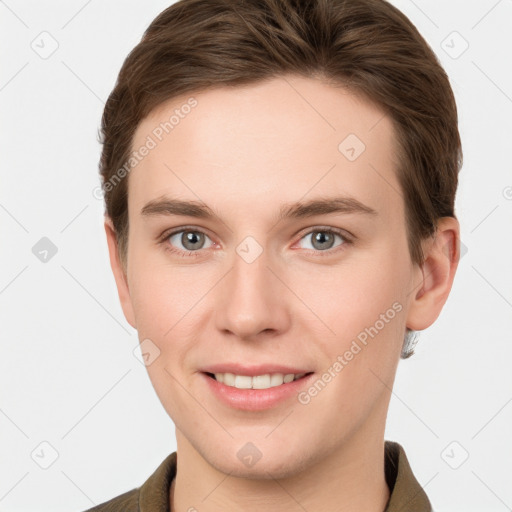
(68, 374)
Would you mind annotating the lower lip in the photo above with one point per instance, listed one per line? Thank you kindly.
(255, 399)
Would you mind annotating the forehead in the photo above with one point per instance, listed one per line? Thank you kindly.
(279, 140)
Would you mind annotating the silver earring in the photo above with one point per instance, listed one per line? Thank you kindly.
(410, 340)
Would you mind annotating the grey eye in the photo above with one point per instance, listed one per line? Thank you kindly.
(322, 239)
(189, 239)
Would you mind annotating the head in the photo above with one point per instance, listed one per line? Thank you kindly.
(253, 109)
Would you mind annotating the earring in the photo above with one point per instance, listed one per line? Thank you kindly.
(411, 339)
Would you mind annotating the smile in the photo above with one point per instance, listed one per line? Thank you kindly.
(255, 382)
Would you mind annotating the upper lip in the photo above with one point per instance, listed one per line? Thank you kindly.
(251, 371)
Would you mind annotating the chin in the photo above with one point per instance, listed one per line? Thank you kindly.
(246, 460)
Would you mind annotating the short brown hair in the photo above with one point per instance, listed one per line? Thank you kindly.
(367, 46)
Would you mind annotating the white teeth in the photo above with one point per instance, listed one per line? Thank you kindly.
(256, 382)
(262, 381)
(243, 382)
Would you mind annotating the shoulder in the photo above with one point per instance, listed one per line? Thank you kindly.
(126, 502)
(405, 491)
(152, 495)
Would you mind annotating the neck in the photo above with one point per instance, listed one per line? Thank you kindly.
(349, 479)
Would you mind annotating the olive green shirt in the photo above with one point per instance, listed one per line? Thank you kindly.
(406, 494)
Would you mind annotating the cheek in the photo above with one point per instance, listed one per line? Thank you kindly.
(365, 314)
(350, 297)
(164, 295)
(363, 307)
(163, 301)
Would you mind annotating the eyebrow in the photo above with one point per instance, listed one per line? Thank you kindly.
(298, 210)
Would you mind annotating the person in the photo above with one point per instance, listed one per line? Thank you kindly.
(279, 180)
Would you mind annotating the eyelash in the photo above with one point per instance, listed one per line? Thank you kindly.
(328, 252)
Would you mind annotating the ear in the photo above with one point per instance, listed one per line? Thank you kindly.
(434, 279)
(119, 273)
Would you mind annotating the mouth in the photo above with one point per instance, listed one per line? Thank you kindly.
(266, 381)
(258, 392)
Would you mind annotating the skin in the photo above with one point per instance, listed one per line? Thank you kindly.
(244, 152)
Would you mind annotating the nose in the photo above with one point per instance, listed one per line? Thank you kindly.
(252, 300)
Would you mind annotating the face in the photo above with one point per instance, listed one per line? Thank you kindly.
(322, 289)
